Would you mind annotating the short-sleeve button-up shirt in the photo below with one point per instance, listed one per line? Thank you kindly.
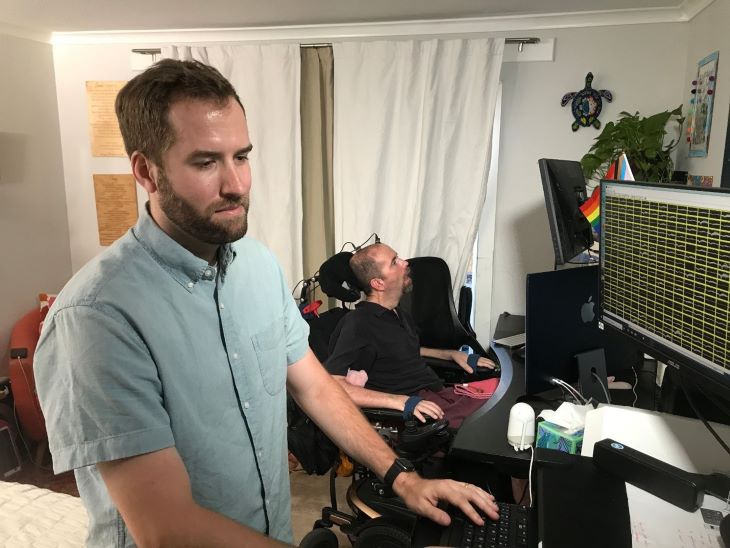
(148, 347)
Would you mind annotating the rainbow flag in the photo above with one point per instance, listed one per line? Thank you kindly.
(591, 208)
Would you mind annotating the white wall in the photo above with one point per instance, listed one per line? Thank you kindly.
(708, 32)
(34, 236)
(642, 65)
(74, 65)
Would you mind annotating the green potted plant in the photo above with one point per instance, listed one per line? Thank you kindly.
(642, 139)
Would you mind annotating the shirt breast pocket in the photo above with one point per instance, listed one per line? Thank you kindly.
(270, 347)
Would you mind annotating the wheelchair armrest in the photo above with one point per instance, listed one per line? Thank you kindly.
(451, 373)
(379, 414)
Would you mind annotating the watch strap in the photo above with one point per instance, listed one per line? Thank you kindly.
(395, 469)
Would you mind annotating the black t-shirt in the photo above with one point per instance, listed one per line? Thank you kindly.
(385, 345)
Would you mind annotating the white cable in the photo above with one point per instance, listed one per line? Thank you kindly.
(577, 395)
(559, 384)
(605, 391)
(529, 474)
(633, 387)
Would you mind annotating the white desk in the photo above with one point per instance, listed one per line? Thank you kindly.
(679, 441)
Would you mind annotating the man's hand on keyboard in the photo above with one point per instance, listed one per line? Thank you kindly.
(422, 496)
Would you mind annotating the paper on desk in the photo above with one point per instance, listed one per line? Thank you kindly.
(657, 524)
(569, 416)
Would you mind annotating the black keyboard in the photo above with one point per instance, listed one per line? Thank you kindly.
(514, 529)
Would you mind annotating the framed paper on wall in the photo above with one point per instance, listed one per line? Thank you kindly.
(701, 112)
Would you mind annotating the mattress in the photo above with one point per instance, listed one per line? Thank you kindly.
(31, 517)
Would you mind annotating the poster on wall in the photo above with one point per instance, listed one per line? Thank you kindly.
(116, 205)
(703, 90)
(106, 139)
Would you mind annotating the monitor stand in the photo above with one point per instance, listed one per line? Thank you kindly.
(592, 375)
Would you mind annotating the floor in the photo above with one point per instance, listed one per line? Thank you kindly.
(309, 494)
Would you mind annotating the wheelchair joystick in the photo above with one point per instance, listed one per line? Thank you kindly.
(415, 438)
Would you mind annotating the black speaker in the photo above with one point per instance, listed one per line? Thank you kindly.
(663, 480)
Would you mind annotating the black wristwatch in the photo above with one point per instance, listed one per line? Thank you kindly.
(400, 465)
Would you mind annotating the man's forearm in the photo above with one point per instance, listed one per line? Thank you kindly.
(371, 398)
(438, 353)
(203, 527)
(332, 409)
(153, 494)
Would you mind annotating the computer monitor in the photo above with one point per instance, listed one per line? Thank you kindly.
(665, 278)
(565, 190)
(561, 322)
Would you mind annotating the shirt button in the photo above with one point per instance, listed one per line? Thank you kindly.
(190, 284)
(260, 454)
(246, 405)
(208, 272)
(235, 356)
(222, 306)
(267, 502)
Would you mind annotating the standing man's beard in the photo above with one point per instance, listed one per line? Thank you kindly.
(202, 227)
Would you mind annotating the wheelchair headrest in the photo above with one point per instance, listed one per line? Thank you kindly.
(337, 280)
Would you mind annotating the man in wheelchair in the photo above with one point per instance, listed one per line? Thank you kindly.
(378, 342)
(380, 339)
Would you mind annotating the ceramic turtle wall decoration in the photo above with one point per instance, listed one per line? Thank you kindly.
(587, 104)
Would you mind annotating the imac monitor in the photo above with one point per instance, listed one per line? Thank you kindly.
(565, 190)
(561, 322)
(665, 278)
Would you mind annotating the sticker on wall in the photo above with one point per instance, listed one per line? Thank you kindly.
(586, 104)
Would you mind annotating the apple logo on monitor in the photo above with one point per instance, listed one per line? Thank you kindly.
(587, 313)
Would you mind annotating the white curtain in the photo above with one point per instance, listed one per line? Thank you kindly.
(412, 135)
(266, 77)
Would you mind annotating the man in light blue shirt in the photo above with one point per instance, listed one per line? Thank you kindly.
(163, 363)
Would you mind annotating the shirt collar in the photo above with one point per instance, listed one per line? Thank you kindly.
(185, 267)
(374, 308)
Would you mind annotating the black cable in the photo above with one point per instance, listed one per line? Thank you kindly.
(700, 416)
(295, 287)
(605, 390)
(716, 402)
(358, 247)
(377, 239)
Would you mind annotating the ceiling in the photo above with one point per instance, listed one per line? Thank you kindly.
(47, 16)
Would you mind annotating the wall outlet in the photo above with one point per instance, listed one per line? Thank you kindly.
(18, 353)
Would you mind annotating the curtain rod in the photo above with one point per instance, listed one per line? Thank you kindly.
(519, 41)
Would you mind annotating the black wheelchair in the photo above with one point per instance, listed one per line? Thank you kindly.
(376, 517)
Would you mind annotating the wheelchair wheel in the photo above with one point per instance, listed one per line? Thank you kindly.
(382, 536)
(319, 538)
